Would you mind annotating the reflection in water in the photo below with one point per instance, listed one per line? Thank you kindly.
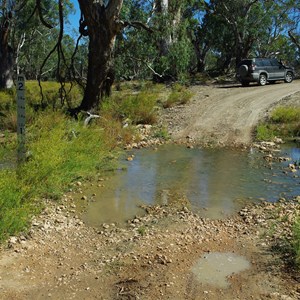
(214, 182)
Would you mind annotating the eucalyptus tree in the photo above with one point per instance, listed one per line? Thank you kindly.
(7, 10)
(171, 22)
(100, 22)
(28, 30)
(34, 33)
(135, 50)
(247, 19)
(294, 30)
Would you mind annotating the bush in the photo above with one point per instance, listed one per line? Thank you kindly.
(287, 114)
(264, 132)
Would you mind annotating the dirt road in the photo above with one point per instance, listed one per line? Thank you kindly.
(225, 114)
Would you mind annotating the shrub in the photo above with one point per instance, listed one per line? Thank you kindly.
(284, 114)
(264, 133)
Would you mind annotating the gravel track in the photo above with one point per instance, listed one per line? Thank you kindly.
(225, 115)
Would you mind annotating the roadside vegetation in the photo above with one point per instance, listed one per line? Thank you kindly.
(61, 150)
(284, 122)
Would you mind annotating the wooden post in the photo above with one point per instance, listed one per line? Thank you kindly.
(21, 117)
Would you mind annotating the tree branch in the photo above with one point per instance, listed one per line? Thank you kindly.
(137, 24)
(39, 9)
(294, 39)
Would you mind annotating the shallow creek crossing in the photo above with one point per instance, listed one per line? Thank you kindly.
(215, 182)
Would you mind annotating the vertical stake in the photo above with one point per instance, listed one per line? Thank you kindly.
(21, 117)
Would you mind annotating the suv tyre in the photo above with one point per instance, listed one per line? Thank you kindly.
(262, 79)
(243, 70)
(288, 77)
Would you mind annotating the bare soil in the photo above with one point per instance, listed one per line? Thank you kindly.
(151, 258)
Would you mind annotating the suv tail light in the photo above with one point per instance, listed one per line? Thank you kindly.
(252, 67)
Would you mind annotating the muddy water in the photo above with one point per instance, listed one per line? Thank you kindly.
(215, 182)
(214, 268)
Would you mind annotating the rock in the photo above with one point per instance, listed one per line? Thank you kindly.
(13, 240)
(278, 140)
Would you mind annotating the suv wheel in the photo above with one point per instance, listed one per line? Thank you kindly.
(262, 79)
(288, 77)
(243, 70)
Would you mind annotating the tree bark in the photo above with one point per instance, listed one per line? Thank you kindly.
(6, 54)
(166, 39)
(101, 24)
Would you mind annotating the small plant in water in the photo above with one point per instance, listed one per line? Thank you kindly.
(142, 230)
(162, 133)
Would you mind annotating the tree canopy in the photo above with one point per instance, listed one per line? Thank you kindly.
(165, 40)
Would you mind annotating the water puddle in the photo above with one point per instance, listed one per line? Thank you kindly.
(216, 182)
(214, 268)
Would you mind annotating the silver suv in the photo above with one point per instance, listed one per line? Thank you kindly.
(263, 70)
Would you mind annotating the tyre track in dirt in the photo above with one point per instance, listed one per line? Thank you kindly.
(225, 115)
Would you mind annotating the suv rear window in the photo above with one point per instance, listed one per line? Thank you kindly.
(259, 63)
(274, 62)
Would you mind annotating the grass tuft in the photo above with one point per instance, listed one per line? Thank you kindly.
(179, 95)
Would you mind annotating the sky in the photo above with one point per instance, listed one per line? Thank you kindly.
(73, 19)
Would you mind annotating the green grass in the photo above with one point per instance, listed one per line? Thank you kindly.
(264, 132)
(283, 122)
(138, 108)
(285, 114)
(61, 151)
(34, 102)
(179, 95)
(162, 133)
